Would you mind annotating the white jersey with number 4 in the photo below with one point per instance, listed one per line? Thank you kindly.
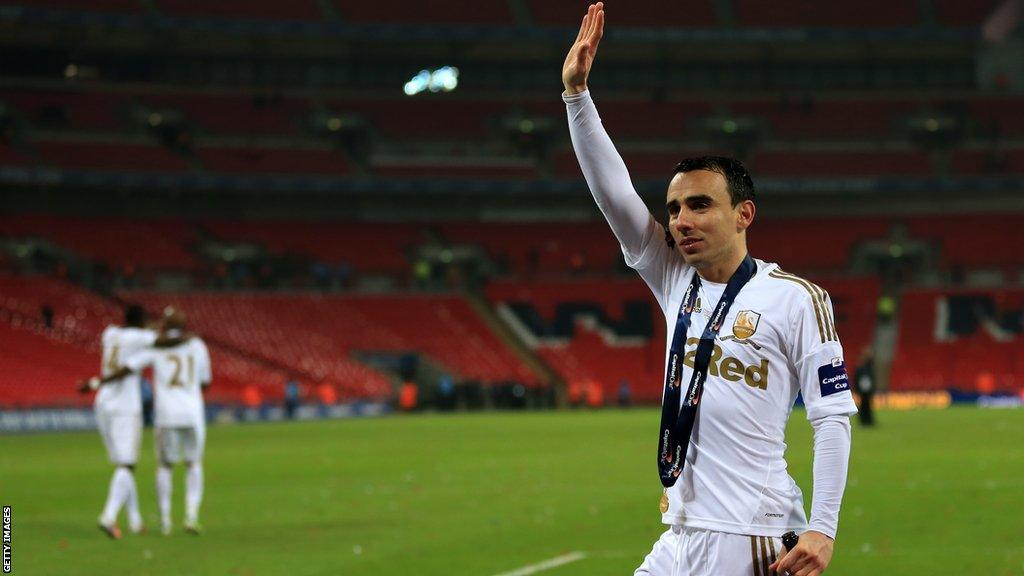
(121, 396)
(178, 374)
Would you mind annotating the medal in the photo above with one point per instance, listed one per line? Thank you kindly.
(663, 505)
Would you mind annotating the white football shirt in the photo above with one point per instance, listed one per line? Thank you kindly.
(178, 374)
(121, 396)
(778, 340)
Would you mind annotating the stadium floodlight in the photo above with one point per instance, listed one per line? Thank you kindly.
(444, 79)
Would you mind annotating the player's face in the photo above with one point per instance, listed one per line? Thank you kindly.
(706, 226)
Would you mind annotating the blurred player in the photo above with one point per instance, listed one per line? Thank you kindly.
(118, 407)
(181, 370)
(746, 338)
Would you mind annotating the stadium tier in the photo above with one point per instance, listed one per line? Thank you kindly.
(971, 241)
(804, 13)
(700, 13)
(435, 12)
(540, 248)
(40, 370)
(252, 160)
(291, 10)
(957, 13)
(969, 339)
(50, 360)
(316, 335)
(368, 248)
(78, 315)
(988, 161)
(258, 114)
(611, 332)
(129, 157)
(814, 163)
(70, 109)
(641, 13)
(116, 6)
(117, 242)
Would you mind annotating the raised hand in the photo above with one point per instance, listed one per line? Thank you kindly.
(581, 56)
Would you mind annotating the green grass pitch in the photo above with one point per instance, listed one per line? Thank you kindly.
(929, 492)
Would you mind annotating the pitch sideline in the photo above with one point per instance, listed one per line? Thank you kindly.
(546, 564)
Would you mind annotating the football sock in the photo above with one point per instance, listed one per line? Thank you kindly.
(193, 491)
(163, 492)
(116, 495)
(132, 504)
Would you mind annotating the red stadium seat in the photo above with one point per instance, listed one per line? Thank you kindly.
(845, 14)
(435, 12)
(118, 242)
(632, 13)
(237, 9)
(922, 363)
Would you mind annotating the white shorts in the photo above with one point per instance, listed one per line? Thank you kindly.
(176, 444)
(683, 551)
(122, 435)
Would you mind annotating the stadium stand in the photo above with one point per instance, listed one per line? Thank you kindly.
(804, 13)
(368, 248)
(40, 371)
(639, 13)
(78, 110)
(79, 316)
(315, 335)
(243, 117)
(974, 240)
(617, 334)
(253, 160)
(142, 157)
(540, 248)
(256, 114)
(292, 10)
(439, 12)
(116, 6)
(117, 242)
(985, 356)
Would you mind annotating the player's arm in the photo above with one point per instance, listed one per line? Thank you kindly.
(134, 363)
(205, 371)
(603, 168)
(825, 388)
(95, 382)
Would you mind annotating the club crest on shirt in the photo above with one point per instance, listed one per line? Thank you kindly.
(745, 324)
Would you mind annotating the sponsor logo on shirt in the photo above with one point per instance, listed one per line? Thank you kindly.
(729, 368)
(745, 324)
(832, 377)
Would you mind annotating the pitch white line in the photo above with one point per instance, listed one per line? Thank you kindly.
(546, 565)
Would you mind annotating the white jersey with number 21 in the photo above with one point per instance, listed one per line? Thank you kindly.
(178, 374)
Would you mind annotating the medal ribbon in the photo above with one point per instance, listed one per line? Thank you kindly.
(677, 418)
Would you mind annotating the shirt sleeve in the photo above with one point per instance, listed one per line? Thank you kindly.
(641, 237)
(818, 356)
(831, 461)
(205, 372)
(139, 360)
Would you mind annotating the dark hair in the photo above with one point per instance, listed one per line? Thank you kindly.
(135, 316)
(737, 179)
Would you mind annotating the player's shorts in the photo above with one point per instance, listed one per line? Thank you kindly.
(122, 435)
(683, 551)
(174, 445)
